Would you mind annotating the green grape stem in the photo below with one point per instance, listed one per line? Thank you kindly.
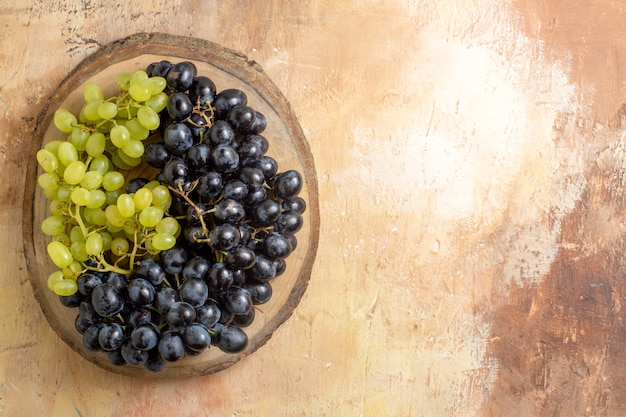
(199, 211)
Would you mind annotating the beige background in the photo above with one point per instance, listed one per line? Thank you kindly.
(470, 159)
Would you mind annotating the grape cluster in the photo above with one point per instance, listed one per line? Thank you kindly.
(174, 263)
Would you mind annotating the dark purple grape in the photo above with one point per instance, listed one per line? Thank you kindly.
(239, 277)
(260, 292)
(224, 236)
(132, 355)
(171, 346)
(280, 265)
(260, 123)
(263, 269)
(199, 158)
(90, 337)
(265, 213)
(231, 339)
(181, 76)
(151, 270)
(81, 324)
(179, 106)
(252, 177)
(235, 189)
(145, 337)
(196, 337)
(176, 172)
(87, 281)
(116, 358)
(221, 133)
(156, 155)
(276, 246)
(155, 361)
(198, 125)
(288, 184)
(139, 317)
(135, 184)
(197, 267)
(202, 91)
(256, 141)
(165, 297)
(297, 205)
(194, 291)
(240, 257)
(225, 159)
(227, 99)
(241, 118)
(289, 223)
(71, 301)
(180, 315)
(237, 300)
(118, 281)
(107, 300)
(178, 138)
(255, 197)
(266, 164)
(159, 69)
(244, 320)
(141, 292)
(229, 211)
(111, 336)
(173, 260)
(209, 186)
(220, 277)
(209, 313)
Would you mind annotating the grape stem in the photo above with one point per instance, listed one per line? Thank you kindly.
(200, 212)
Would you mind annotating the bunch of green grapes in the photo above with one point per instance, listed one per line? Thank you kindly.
(97, 221)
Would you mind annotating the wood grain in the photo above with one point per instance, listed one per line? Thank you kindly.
(470, 158)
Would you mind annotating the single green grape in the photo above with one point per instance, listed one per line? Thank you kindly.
(94, 244)
(100, 163)
(78, 138)
(76, 234)
(65, 287)
(67, 153)
(157, 84)
(157, 102)
(142, 198)
(53, 225)
(150, 216)
(127, 160)
(137, 131)
(134, 149)
(47, 160)
(139, 90)
(148, 117)
(80, 196)
(107, 110)
(125, 205)
(138, 76)
(79, 252)
(95, 144)
(163, 241)
(119, 246)
(92, 92)
(55, 277)
(90, 110)
(59, 254)
(49, 181)
(107, 239)
(91, 180)
(168, 225)
(160, 196)
(120, 136)
(74, 172)
(98, 198)
(114, 216)
(57, 207)
(112, 181)
(64, 120)
(64, 193)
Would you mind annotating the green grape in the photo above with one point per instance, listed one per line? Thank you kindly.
(134, 149)
(54, 277)
(160, 196)
(64, 193)
(74, 172)
(157, 102)
(114, 216)
(137, 131)
(95, 144)
(167, 225)
(79, 252)
(128, 160)
(123, 80)
(138, 76)
(53, 225)
(64, 120)
(76, 234)
(120, 136)
(149, 247)
(50, 194)
(59, 254)
(53, 146)
(95, 216)
(148, 118)
(113, 229)
(66, 152)
(57, 207)
(125, 205)
(78, 138)
(90, 110)
(119, 162)
(49, 181)
(100, 163)
(142, 198)
(91, 180)
(139, 90)
(107, 110)
(98, 198)
(80, 196)
(156, 84)
(150, 186)
(107, 239)
(92, 92)
(150, 216)
(112, 181)
(111, 196)
(119, 246)
(163, 241)
(47, 160)
(73, 270)
(65, 287)
(63, 238)
(94, 244)
(130, 227)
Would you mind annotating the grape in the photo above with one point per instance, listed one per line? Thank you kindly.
(142, 198)
(59, 254)
(114, 216)
(91, 180)
(241, 118)
(74, 172)
(145, 336)
(93, 244)
(100, 163)
(150, 216)
(120, 136)
(156, 155)
(148, 117)
(136, 129)
(134, 149)
(168, 225)
(202, 90)
(79, 252)
(65, 287)
(48, 181)
(160, 196)
(97, 199)
(107, 110)
(90, 110)
(53, 278)
(157, 102)
(123, 80)
(231, 339)
(177, 138)
(80, 196)
(64, 120)
(111, 336)
(67, 153)
(125, 205)
(181, 76)
(139, 90)
(196, 337)
(228, 99)
(112, 181)
(288, 184)
(163, 241)
(47, 160)
(92, 92)
(141, 292)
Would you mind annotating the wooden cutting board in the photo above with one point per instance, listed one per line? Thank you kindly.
(470, 159)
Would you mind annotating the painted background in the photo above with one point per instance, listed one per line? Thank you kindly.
(470, 159)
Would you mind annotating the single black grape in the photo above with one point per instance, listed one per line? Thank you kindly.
(241, 118)
(289, 223)
(111, 336)
(141, 292)
(145, 337)
(229, 211)
(252, 177)
(220, 277)
(260, 292)
(244, 320)
(90, 337)
(194, 291)
(209, 313)
(209, 186)
(118, 281)
(266, 164)
(199, 158)
(231, 339)
(260, 123)
(87, 281)
(235, 189)
(265, 213)
(156, 154)
(71, 301)
(221, 133)
(151, 270)
(197, 267)
(255, 197)
(237, 300)
(240, 257)
(263, 269)
(180, 315)
(155, 361)
(281, 265)
(202, 91)
(227, 99)
(173, 260)
(171, 346)
(225, 159)
(176, 172)
(224, 236)
(116, 358)
(107, 300)
(288, 184)
(181, 76)
(165, 297)
(159, 69)
(196, 337)
(296, 204)
(132, 355)
(276, 246)
(178, 138)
